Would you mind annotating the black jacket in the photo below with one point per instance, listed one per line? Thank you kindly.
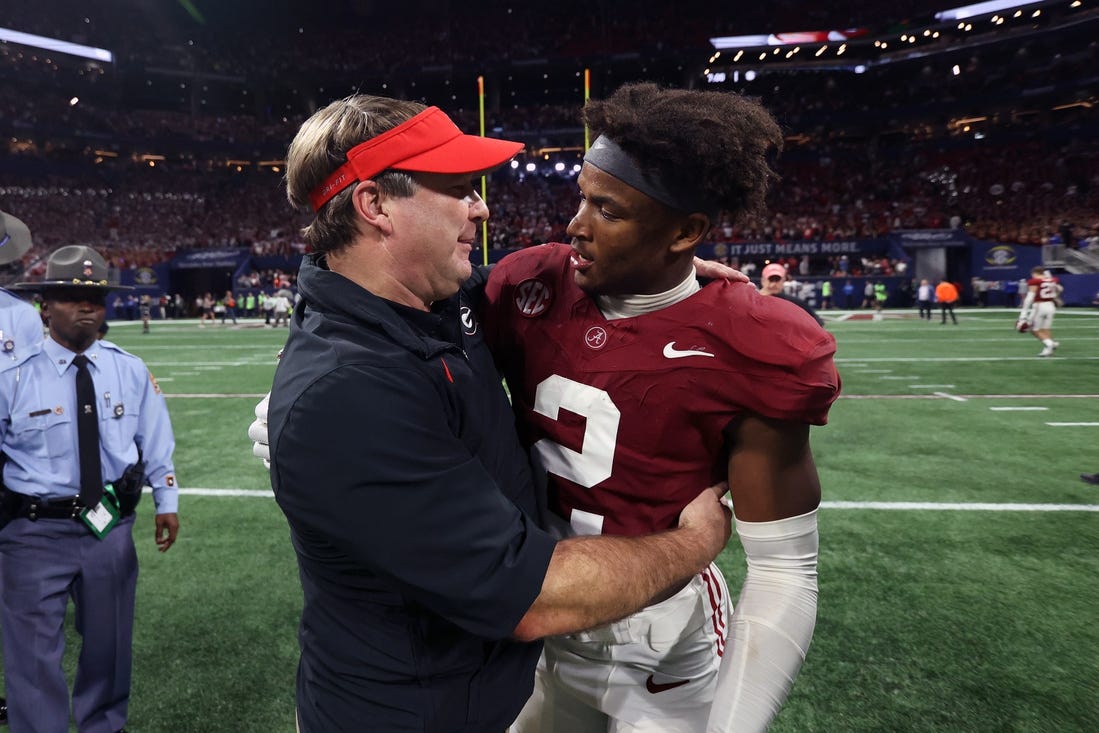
(412, 511)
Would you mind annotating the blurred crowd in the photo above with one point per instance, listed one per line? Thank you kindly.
(1029, 192)
(992, 147)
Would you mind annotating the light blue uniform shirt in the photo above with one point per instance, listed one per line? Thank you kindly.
(38, 422)
(20, 328)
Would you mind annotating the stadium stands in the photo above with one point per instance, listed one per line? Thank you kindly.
(178, 144)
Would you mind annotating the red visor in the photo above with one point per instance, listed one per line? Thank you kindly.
(428, 143)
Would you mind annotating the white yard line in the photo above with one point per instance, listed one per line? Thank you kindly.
(214, 396)
(953, 507)
(971, 396)
(963, 359)
(882, 505)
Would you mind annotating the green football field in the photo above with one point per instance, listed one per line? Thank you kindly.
(959, 569)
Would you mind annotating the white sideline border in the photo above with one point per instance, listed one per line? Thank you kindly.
(883, 505)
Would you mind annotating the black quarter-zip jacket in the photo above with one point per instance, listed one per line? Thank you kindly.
(411, 509)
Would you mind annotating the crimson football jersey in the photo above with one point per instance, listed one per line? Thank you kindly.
(1047, 289)
(627, 415)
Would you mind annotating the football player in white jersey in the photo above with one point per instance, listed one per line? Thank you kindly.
(1042, 296)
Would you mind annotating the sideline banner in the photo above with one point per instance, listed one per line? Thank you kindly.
(999, 261)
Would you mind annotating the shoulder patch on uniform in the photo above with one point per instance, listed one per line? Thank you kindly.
(156, 387)
(533, 297)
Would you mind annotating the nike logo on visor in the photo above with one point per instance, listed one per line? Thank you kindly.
(673, 353)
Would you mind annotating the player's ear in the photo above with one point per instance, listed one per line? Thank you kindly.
(692, 229)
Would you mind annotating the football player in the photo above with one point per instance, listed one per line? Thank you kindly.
(1042, 296)
(634, 383)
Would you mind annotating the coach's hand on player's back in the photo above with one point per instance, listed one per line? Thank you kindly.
(711, 519)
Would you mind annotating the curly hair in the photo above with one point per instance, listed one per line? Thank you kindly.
(715, 143)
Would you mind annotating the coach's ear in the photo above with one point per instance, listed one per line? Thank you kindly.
(370, 204)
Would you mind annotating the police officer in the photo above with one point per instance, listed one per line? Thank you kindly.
(84, 427)
(20, 324)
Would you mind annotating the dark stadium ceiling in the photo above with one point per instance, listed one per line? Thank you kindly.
(272, 62)
(860, 48)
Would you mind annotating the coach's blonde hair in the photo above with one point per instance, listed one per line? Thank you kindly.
(321, 146)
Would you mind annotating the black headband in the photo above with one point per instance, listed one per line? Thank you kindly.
(609, 157)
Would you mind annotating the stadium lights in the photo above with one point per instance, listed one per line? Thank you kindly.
(821, 50)
(992, 6)
(54, 44)
(738, 55)
(74, 101)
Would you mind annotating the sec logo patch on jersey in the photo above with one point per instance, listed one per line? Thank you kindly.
(532, 298)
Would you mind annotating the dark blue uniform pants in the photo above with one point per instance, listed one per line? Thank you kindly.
(42, 565)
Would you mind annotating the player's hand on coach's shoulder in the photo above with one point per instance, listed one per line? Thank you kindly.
(710, 520)
(257, 432)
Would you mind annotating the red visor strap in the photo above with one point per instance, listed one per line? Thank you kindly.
(426, 131)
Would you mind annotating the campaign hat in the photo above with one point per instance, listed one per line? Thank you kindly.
(74, 266)
(15, 238)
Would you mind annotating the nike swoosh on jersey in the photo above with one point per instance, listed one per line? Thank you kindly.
(673, 353)
(653, 687)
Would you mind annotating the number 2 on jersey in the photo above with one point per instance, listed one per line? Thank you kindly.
(592, 463)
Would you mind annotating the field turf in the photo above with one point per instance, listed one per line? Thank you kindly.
(959, 569)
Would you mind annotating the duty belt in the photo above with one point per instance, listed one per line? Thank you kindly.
(35, 508)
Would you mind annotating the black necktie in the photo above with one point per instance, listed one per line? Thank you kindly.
(87, 433)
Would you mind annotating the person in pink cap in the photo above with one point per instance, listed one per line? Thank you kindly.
(771, 283)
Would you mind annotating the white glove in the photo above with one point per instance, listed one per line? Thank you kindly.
(257, 432)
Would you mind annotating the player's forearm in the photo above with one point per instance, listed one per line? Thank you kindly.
(595, 580)
(1027, 303)
(772, 626)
